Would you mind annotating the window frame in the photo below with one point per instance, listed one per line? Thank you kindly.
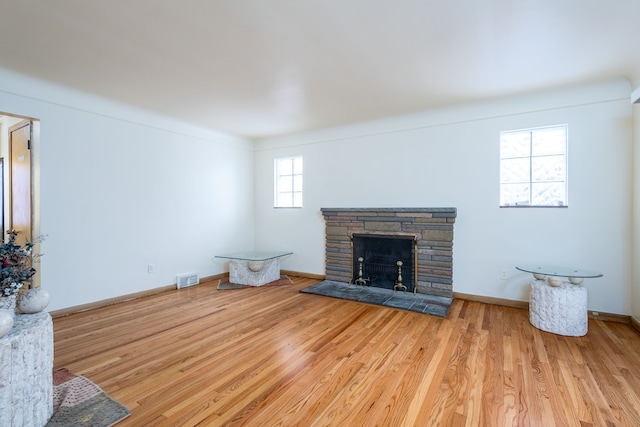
(278, 177)
(531, 157)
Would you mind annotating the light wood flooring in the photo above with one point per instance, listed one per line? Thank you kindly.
(272, 356)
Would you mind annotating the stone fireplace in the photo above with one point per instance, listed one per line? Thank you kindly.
(426, 232)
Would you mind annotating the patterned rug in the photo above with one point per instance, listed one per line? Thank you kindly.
(79, 402)
(224, 284)
(420, 303)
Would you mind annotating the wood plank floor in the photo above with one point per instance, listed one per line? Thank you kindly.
(272, 356)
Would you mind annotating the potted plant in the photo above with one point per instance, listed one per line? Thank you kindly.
(16, 268)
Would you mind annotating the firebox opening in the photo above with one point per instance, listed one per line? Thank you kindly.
(380, 255)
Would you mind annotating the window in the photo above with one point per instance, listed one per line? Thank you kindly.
(288, 182)
(533, 167)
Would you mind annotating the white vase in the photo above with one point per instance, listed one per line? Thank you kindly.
(8, 303)
(6, 322)
(33, 301)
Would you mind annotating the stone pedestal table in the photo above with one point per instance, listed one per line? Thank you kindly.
(556, 305)
(558, 309)
(26, 372)
(254, 268)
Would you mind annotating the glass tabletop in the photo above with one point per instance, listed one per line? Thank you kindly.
(255, 256)
(551, 270)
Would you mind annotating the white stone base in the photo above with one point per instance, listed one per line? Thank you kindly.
(561, 310)
(26, 372)
(254, 273)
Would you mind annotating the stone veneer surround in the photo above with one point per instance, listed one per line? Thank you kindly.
(433, 228)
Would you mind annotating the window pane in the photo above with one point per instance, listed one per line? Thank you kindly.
(284, 166)
(515, 144)
(297, 200)
(549, 141)
(284, 200)
(514, 194)
(297, 183)
(297, 165)
(284, 184)
(549, 194)
(514, 170)
(548, 168)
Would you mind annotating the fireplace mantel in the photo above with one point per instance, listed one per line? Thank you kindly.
(433, 228)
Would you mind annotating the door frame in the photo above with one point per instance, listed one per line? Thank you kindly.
(34, 154)
(28, 230)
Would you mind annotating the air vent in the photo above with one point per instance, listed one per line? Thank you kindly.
(186, 280)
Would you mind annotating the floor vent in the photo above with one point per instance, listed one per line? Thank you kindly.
(186, 280)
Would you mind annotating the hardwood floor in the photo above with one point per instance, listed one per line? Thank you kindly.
(275, 357)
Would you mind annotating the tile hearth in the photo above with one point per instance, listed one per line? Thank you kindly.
(420, 303)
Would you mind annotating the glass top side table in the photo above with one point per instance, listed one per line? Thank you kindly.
(575, 275)
(255, 256)
(254, 268)
(560, 307)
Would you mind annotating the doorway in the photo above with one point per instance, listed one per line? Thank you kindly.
(20, 181)
(19, 150)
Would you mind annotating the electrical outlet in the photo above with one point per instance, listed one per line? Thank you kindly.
(150, 268)
(503, 274)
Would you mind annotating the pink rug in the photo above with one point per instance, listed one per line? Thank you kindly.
(79, 402)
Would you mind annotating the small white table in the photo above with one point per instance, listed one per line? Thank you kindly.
(254, 268)
(556, 305)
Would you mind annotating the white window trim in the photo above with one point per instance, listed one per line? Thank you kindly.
(531, 157)
(276, 190)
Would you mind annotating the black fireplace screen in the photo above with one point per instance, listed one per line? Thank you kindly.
(380, 254)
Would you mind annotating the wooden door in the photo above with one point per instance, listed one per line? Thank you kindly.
(20, 180)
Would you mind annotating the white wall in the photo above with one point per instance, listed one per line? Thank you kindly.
(122, 188)
(450, 157)
(635, 285)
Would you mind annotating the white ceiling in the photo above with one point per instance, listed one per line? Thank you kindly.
(271, 67)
